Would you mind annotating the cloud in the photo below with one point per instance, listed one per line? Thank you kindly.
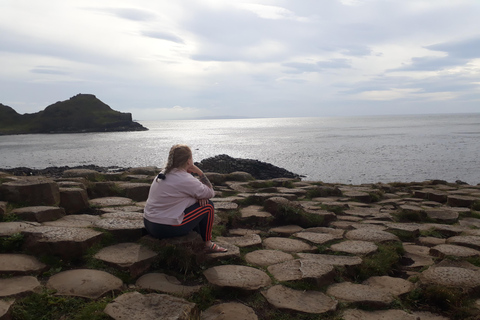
(133, 14)
(175, 112)
(163, 36)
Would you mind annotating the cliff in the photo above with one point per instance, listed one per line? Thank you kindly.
(81, 113)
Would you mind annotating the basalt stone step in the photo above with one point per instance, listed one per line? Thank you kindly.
(248, 240)
(122, 229)
(286, 230)
(466, 241)
(133, 257)
(74, 200)
(39, 213)
(33, 191)
(110, 202)
(300, 269)
(254, 211)
(67, 243)
(334, 260)
(135, 191)
(86, 283)
(287, 245)
(396, 286)
(361, 294)
(18, 286)
(5, 308)
(166, 284)
(229, 311)
(303, 301)
(10, 228)
(465, 277)
(123, 215)
(235, 276)
(265, 258)
(444, 250)
(74, 221)
(371, 235)
(20, 264)
(355, 247)
(134, 305)
(314, 237)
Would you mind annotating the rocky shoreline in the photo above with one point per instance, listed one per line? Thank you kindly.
(297, 250)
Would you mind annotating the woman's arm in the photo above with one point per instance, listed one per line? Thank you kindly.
(203, 179)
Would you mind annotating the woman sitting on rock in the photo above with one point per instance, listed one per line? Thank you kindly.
(178, 202)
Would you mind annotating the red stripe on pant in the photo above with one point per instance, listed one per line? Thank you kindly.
(192, 215)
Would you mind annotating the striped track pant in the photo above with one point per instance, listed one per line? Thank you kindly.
(196, 218)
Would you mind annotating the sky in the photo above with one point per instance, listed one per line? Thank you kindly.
(188, 59)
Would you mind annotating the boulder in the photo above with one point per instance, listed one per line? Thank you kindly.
(135, 191)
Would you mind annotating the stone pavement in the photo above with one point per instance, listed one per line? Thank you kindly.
(298, 247)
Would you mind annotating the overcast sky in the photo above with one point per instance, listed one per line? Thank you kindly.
(181, 59)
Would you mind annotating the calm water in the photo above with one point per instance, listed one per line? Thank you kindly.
(344, 150)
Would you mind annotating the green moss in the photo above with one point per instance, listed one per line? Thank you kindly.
(11, 243)
(383, 262)
(296, 215)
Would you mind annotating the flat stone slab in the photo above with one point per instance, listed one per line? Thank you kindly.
(132, 256)
(265, 258)
(286, 230)
(337, 233)
(20, 264)
(84, 283)
(420, 255)
(9, 228)
(303, 301)
(39, 213)
(355, 247)
(450, 276)
(5, 306)
(236, 276)
(74, 221)
(134, 305)
(360, 293)
(65, 242)
(372, 235)
(299, 269)
(110, 202)
(225, 205)
(243, 241)
(10, 287)
(287, 245)
(122, 229)
(229, 311)
(331, 259)
(394, 314)
(317, 238)
(254, 211)
(466, 241)
(396, 286)
(165, 283)
(443, 250)
(442, 215)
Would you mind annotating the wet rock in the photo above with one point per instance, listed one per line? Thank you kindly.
(134, 305)
(303, 301)
(91, 284)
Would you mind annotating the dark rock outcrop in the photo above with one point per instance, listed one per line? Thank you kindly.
(81, 113)
(258, 169)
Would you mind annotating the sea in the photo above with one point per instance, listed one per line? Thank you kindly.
(347, 150)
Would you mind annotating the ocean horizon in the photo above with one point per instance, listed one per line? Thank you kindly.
(350, 150)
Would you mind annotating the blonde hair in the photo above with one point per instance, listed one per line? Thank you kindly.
(177, 157)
